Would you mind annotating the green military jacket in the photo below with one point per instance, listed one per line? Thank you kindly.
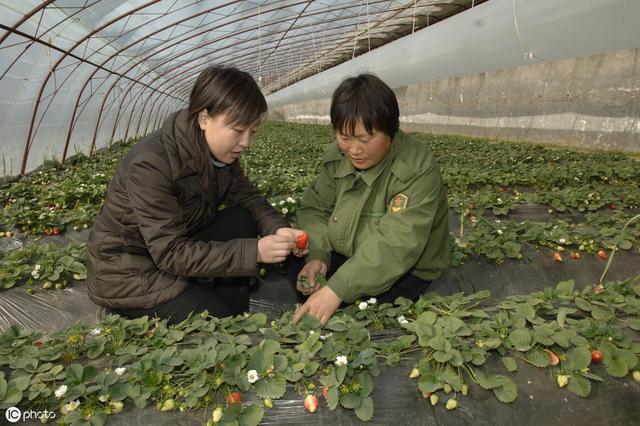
(387, 220)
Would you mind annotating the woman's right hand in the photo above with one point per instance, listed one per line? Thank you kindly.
(275, 248)
(310, 270)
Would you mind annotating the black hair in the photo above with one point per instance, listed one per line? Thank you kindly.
(226, 90)
(367, 98)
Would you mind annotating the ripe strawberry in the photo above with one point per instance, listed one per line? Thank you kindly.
(472, 219)
(325, 390)
(612, 206)
(234, 398)
(557, 257)
(302, 240)
(596, 356)
(56, 231)
(603, 255)
(553, 358)
(311, 403)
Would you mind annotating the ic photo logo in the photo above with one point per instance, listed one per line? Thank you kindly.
(14, 415)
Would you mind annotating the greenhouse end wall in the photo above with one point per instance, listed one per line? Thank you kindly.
(589, 102)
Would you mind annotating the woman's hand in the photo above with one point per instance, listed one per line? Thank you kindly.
(310, 270)
(295, 233)
(322, 305)
(275, 248)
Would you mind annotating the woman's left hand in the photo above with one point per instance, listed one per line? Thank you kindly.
(294, 233)
(322, 304)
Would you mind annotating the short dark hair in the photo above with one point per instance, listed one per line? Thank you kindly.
(367, 98)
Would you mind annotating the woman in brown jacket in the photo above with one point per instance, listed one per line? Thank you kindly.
(162, 245)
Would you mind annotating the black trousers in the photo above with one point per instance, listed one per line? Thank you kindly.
(221, 297)
(408, 285)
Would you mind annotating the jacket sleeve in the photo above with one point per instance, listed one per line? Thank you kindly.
(314, 213)
(152, 195)
(395, 246)
(243, 193)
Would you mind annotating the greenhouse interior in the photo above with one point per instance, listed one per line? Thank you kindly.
(310, 212)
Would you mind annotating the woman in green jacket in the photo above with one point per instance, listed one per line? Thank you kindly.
(162, 246)
(376, 214)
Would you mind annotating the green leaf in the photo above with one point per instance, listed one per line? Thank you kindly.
(565, 288)
(601, 313)
(440, 343)
(583, 304)
(509, 363)
(75, 373)
(538, 357)
(350, 401)
(271, 387)
(251, 415)
(333, 397)
(634, 323)
(365, 410)
(506, 391)
(615, 366)
(3, 388)
(577, 359)
(487, 382)
(12, 398)
(579, 385)
(520, 339)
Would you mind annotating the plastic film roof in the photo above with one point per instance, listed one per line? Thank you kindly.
(76, 75)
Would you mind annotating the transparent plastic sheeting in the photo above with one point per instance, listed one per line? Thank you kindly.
(80, 74)
(495, 35)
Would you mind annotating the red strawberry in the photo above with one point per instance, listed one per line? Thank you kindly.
(56, 231)
(311, 403)
(603, 255)
(612, 206)
(302, 241)
(596, 357)
(557, 257)
(325, 390)
(234, 398)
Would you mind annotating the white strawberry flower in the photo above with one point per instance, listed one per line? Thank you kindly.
(341, 360)
(291, 200)
(59, 393)
(72, 405)
(95, 332)
(363, 306)
(372, 301)
(120, 371)
(325, 336)
(499, 231)
(285, 210)
(562, 241)
(103, 398)
(402, 320)
(252, 376)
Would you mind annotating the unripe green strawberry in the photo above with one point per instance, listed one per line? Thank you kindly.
(217, 415)
(434, 399)
(168, 405)
(447, 388)
(636, 376)
(451, 404)
(268, 403)
(415, 373)
(465, 390)
(563, 380)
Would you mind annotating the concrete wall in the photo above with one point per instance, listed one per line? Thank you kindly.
(590, 102)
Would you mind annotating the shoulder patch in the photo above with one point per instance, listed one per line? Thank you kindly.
(397, 203)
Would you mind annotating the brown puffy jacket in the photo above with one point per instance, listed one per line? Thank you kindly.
(140, 252)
